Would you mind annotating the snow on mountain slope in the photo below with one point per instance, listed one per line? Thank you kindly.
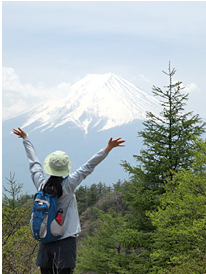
(106, 100)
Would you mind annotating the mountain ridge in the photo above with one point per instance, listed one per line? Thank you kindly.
(96, 108)
(105, 99)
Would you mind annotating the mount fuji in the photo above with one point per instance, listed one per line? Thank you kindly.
(94, 109)
(102, 101)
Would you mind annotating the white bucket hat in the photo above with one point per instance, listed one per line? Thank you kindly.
(57, 164)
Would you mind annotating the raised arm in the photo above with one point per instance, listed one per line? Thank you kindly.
(114, 143)
(35, 167)
(82, 172)
(20, 133)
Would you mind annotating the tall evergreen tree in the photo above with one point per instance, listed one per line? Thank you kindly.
(167, 148)
(167, 139)
(180, 219)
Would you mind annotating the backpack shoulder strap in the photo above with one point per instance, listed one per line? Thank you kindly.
(42, 184)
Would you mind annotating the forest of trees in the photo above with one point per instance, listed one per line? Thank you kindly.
(152, 223)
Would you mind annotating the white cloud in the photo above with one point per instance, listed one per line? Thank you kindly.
(10, 80)
(17, 97)
(191, 88)
(12, 83)
(145, 78)
(18, 106)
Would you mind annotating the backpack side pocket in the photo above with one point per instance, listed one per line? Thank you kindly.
(56, 228)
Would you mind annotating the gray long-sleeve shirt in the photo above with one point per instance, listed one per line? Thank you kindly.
(69, 184)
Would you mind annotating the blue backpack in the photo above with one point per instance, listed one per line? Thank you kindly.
(44, 226)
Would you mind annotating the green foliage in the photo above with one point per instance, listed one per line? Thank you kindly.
(88, 196)
(107, 200)
(167, 138)
(180, 219)
(167, 149)
(15, 199)
(193, 266)
(121, 246)
(107, 251)
(18, 246)
(138, 242)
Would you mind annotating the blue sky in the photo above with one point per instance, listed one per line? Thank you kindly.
(46, 46)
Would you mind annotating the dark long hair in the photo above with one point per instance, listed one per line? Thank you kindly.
(54, 185)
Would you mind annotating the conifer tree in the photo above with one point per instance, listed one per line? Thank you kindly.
(167, 141)
(14, 199)
(167, 148)
(180, 219)
(167, 137)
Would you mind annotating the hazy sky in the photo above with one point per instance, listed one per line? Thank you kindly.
(47, 46)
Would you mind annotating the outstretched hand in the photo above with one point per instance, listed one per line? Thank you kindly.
(114, 143)
(20, 133)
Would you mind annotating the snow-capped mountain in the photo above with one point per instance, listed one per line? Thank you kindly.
(96, 108)
(102, 101)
